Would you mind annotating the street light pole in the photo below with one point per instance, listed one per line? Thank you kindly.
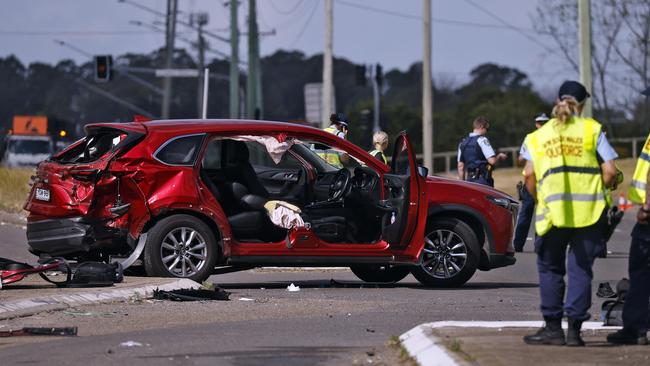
(234, 60)
(172, 7)
(584, 14)
(327, 66)
(427, 92)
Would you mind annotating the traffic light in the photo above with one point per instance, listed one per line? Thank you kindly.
(379, 76)
(360, 73)
(103, 68)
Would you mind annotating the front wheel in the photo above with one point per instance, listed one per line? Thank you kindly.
(181, 246)
(450, 255)
(380, 273)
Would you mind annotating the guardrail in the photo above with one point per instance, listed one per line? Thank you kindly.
(513, 153)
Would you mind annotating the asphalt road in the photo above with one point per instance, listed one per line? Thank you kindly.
(325, 323)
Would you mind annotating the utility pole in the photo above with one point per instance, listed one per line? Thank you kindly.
(201, 20)
(427, 89)
(376, 98)
(172, 7)
(584, 14)
(326, 104)
(234, 60)
(252, 92)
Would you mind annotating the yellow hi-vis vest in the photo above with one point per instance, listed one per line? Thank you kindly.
(636, 193)
(383, 157)
(331, 156)
(570, 190)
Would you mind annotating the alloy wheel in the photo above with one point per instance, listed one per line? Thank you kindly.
(183, 251)
(444, 254)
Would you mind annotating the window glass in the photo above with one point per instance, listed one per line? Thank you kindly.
(401, 158)
(180, 151)
(212, 156)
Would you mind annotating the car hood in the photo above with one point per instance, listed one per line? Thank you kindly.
(472, 186)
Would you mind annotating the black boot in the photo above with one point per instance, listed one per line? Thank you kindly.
(627, 336)
(551, 333)
(573, 338)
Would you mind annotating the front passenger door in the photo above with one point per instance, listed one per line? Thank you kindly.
(402, 189)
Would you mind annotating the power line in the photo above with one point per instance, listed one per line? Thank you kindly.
(71, 33)
(502, 21)
(285, 11)
(435, 20)
(304, 27)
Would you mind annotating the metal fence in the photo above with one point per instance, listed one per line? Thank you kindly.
(626, 147)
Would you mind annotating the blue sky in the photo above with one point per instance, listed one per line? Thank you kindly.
(466, 33)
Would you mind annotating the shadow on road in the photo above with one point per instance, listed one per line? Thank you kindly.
(331, 283)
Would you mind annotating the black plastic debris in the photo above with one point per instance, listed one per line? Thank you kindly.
(96, 274)
(605, 291)
(191, 295)
(39, 331)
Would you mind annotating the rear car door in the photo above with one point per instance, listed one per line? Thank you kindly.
(402, 190)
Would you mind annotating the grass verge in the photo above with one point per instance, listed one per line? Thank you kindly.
(14, 188)
(403, 355)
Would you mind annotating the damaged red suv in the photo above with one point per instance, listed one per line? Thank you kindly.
(190, 198)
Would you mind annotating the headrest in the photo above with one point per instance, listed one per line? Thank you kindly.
(238, 151)
(238, 190)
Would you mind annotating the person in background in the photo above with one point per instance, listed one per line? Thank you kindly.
(380, 142)
(635, 308)
(527, 201)
(338, 127)
(569, 165)
(476, 157)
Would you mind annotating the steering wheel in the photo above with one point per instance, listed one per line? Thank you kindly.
(339, 186)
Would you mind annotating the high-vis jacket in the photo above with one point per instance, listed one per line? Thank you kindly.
(331, 156)
(570, 190)
(636, 193)
(381, 155)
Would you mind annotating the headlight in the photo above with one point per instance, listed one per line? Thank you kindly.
(499, 201)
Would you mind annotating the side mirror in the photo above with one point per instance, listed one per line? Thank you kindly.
(423, 171)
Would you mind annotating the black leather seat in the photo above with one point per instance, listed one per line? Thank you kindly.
(239, 169)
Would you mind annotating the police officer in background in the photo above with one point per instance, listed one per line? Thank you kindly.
(476, 156)
(380, 142)
(563, 173)
(527, 201)
(635, 309)
(338, 127)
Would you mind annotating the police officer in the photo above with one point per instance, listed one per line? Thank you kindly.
(380, 142)
(563, 173)
(338, 127)
(476, 156)
(527, 201)
(635, 309)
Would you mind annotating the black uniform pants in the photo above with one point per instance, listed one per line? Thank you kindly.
(635, 310)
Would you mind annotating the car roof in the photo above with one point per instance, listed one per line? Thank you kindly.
(239, 126)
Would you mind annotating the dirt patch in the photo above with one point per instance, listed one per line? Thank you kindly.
(14, 188)
(504, 346)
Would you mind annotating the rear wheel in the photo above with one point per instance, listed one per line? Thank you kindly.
(380, 273)
(450, 255)
(181, 246)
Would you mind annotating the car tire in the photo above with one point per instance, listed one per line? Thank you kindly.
(450, 255)
(181, 246)
(380, 273)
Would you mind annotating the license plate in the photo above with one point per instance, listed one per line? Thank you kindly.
(43, 194)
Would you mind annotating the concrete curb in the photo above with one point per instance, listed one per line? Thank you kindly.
(35, 305)
(428, 349)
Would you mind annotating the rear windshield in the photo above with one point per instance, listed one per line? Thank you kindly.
(93, 147)
(30, 147)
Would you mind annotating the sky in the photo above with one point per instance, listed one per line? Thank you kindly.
(466, 33)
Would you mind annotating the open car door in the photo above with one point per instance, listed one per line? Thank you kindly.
(402, 190)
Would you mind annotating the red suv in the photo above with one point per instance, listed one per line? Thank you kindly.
(196, 197)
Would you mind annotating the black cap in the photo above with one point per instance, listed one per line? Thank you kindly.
(646, 92)
(339, 118)
(574, 89)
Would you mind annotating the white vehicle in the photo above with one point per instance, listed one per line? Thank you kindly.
(26, 150)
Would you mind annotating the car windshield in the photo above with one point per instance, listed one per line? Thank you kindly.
(30, 147)
(331, 156)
